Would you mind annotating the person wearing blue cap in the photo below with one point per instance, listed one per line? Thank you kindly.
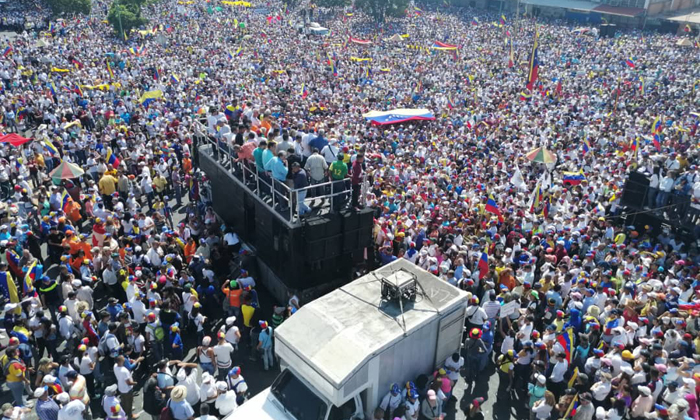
(391, 401)
(411, 406)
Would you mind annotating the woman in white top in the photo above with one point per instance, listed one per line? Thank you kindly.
(543, 408)
(206, 356)
(601, 389)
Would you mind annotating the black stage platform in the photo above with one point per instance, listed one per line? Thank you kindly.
(309, 255)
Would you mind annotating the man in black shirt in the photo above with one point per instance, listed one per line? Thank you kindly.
(239, 140)
(50, 295)
(291, 158)
(300, 181)
(54, 241)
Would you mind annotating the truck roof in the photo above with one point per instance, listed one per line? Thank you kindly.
(338, 333)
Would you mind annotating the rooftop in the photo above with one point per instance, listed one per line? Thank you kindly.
(351, 324)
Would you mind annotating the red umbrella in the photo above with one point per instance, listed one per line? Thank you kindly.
(14, 139)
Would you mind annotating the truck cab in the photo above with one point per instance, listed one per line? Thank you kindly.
(292, 398)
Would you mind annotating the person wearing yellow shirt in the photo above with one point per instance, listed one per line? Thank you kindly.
(16, 377)
(159, 184)
(107, 186)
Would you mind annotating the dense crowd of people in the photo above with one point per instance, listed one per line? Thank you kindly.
(112, 277)
(30, 15)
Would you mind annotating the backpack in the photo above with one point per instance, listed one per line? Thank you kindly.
(158, 332)
(6, 366)
(102, 347)
(166, 413)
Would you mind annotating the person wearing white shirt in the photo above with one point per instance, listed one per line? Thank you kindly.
(543, 407)
(125, 385)
(70, 410)
(412, 406)
(653, 188)
(558, 372)
(330, 151)
(110, 399)
(204, 413)
(226, 401)
(187, 377)
(601, 389)
(453, 365)
(305, 139)
(138, 308)
(223, 351)
(476, 316)
(155, 255)
(233, 333)
(665, 186)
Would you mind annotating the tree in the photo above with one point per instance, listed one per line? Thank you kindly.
(125, 15)
(379, 9)
(70, 6)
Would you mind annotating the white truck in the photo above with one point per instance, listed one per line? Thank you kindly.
(340, 353)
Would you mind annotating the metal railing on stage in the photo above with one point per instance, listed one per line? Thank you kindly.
(318, 197)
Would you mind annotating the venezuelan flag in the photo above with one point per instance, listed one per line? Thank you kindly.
(503, 19)
(230, 56)
(109, 70)
(573, 178)
(566, 340)
(156, 74)
(56, 386)
(229, 110)
(657, 141)
(492, 207)
(656, 126)
(475, 21)
(534, 65)
(29, 278)
(76, 89)
(511, 59)
(8, 288)
(239, 52)
(536, 198)
(450, 102)
(483, 265)
(545, 207)
(112, 159)
(630, 63)
(586, 146)
(65, 199)
(174, 79)
(49, 147)
(634, 144)
(150, 96)
(304, 92)
(7, 51)
(437, 45)
(525, 96)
